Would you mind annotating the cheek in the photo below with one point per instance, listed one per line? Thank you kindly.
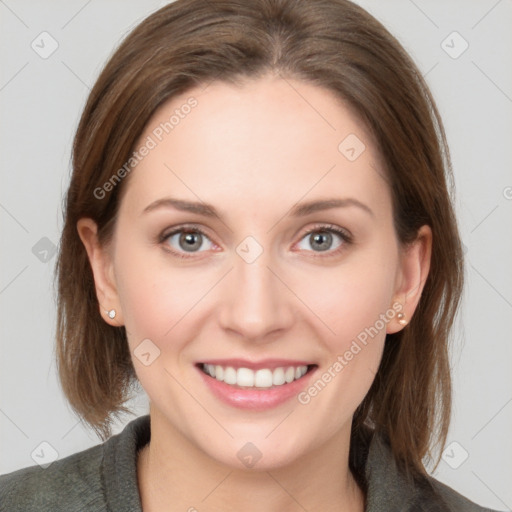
(354, 303)
(155, 293)
(352, 297)
(157, 299)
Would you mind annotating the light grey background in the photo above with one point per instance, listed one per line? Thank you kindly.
(41, 100)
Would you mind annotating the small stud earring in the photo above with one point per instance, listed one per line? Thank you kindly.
(111, 314)
(401, 319)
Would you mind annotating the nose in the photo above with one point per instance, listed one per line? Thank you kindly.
(256, 303)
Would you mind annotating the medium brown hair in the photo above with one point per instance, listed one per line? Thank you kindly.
(333, 44)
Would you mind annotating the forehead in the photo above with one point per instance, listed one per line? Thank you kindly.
(269, 142)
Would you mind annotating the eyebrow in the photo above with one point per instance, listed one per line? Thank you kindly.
(299, 209)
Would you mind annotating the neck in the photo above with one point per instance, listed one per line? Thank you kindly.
(174, 474)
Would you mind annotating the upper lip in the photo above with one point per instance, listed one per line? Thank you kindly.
(257, 365)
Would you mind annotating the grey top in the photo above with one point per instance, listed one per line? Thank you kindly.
(104, 479)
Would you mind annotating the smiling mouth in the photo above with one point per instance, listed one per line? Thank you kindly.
(263, 378)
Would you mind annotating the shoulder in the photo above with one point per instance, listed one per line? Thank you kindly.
(389, 487)
(98, 479)
(72, 483)
(453, 500)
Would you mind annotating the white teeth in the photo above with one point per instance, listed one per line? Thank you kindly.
(263, 378)
(289, 374)
(229, 375)
(278, 377)
(244, 377)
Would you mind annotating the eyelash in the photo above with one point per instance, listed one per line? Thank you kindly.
(329, 228)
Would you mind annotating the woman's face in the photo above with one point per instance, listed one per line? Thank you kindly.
(267, 279)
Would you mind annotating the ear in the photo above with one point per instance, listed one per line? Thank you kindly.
(101, 262)
(411, 277)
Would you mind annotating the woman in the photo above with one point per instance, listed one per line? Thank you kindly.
(259, 231)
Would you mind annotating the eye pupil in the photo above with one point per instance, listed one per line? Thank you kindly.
(324, 239)
(190, 241)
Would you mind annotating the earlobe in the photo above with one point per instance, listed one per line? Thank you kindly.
(101, 264)
(411, 278)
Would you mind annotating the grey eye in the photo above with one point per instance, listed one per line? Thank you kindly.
(320, 240)
(187, 240)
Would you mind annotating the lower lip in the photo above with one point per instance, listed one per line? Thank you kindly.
(256, 399)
